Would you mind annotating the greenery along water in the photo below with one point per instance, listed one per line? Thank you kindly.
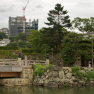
(45, 90)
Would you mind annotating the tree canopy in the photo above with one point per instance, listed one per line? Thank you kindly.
(75, 45)
(3, 35)
(83, 24)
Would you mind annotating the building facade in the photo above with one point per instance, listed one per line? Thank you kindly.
(4, 42)
(5, 30)
(16, 25)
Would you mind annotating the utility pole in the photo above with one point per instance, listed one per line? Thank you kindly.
(24, 17)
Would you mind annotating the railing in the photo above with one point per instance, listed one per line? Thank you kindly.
(22, 63)
(9, 62)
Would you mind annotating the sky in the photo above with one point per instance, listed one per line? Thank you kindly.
(39, 9)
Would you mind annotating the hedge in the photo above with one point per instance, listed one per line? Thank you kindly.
(29, 51)
(8, 48)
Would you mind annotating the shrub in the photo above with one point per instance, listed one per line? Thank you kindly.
(90, 75)
(8, 48)
(66, 85)
(85, 70)
(80, 74)
(75, 69)
(40, 69)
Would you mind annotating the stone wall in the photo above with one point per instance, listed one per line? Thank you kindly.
(57, 76)
(25, 78)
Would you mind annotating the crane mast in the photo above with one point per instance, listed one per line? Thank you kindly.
(24, 17)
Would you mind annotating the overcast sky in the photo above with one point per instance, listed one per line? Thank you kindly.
(38, 9)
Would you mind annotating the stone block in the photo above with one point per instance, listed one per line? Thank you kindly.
(53, 74)
(55, 68)
(30, 76)
(79, 85)
(69, 75)
(61, 75)
(75, 83)
(52, 84)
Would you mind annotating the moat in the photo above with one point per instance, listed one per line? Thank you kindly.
(44, 90)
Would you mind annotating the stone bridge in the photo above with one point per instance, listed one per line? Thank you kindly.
(15, 67)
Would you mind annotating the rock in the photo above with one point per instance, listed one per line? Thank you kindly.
(55, 68)
(60, 84)
(61, 75)
(71, 82)
(53, 74)
(65, 80)
(46, 76)
(82, 71)
(47, 70)
(82, 83)
(44, 79)
(69, 75)
(34, 83)
(52, 84)
(75, 83)
(70, 70)
(45, 73)
(66, 71)
(73, 78)
(92, 83)
(79, 85)
(57, 79)
(45, 82)
(87, 83)
(89, 69)
(40, 82)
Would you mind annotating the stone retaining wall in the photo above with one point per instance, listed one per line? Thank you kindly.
(59, 77)
(25, 78)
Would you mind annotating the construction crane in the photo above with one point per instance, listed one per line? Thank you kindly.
(24, 16)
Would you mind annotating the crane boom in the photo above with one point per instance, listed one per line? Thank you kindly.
(26, 5)
(24, 16)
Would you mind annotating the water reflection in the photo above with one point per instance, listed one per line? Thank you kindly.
(45, 90)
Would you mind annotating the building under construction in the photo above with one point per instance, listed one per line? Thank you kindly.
(16, 25)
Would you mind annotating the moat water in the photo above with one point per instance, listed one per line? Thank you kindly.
(45, 90)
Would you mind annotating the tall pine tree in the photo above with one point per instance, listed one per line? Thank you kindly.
(57, 21)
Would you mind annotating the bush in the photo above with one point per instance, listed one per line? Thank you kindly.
(80, 74)
(90, 75)
(75, 69)
(40, 69)
(66, 85)
(8, 48)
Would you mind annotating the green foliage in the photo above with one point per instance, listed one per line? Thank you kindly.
(58, 17)
(12, 44)
(83, 24)
(3, 35)
(66, 85)
(75, 69)
(29, 51)
(63, 68)
(85, 70)
(80, 74)
(58, 20)
(89, 75)
(22, 44)
(40, 69)
(75, 45)
(11, 39)
(8, 48)
(21, 36)
(71, 48)
(35, 39)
